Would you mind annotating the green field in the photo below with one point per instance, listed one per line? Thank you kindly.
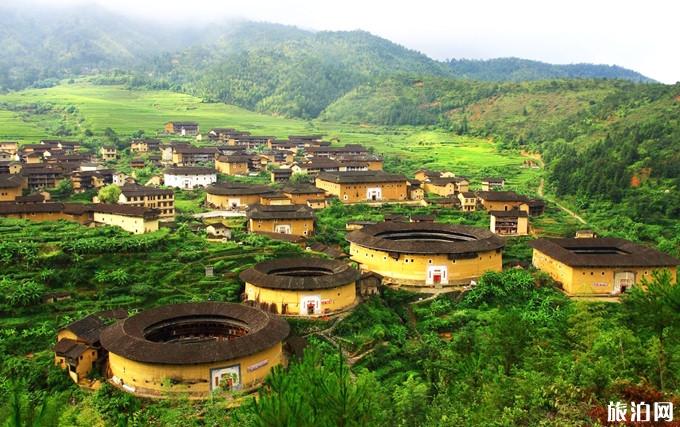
(81, 106)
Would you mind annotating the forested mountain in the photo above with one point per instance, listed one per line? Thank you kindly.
(612, 139)
(517, 70)
(266, 67)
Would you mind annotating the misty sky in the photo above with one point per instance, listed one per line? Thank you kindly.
(641, 35)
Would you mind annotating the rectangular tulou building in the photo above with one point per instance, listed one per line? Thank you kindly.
(364, 186)
(599, 266)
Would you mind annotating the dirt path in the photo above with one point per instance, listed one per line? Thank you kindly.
(569, 212)
(541, 186)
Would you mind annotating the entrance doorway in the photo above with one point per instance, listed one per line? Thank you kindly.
(310, 305)
(623, 280)
(374, 193)
(282, 228)
(437, 275)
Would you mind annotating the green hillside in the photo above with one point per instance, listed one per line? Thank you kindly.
(610, 140)
(517, 70)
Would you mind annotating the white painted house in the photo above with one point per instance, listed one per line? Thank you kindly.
(189, 177)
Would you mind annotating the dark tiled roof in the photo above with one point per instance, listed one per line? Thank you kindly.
(320, 163)
(196, 150)
(10, 181)
(289, 238)
(258, 211)
(18, 208)
(234, 158)
(603, 252)
(361, 177)
(125, 210)
(502, 196)
(126, 338)
(302, 189)
(69, 348)
(87, 329)
(236, 189)
(425, 238)
(513, 213)
(282, 171)
(130, 190)
(446, 181)
(300, 273)
(190, 171)
(184, 123)
(31, 198)
(492, 180)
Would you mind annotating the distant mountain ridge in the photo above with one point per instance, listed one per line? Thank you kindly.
(517, 69)
(265, 67)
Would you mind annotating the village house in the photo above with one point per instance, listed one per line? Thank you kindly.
(468, 201)
(144, 145)
(34, 157)
(168, 150)
(281, 175)
(250, 141)
(46, 211)
(492, 183)
(351, 165)
(308, 140)
(182, 128)
(333, 152)
(599, 266)
(446, 187)
(301, 194)
(149, 197)
(509, 223)
(57, 144)
(42, 176)
(425, 174)
(415, 190)
(503, 201)
(233, 195)
(316, 165)
(193, 156)
(90, 179)
(11, 147)
(425, 253)
(234, 165)
(78, 348)
(218, 231)
(222, 134)
(108, 153)
(367, 186)
(64, 159)
(10, 167)
(284, 145)
(133, 219)
(6, 156)
(372, 162)
(297, 220)
(189, 178)
(11, 187)
(309, 287)
(274, 198)
(137, 163)
(536, 207)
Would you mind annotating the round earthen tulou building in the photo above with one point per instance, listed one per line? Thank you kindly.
(301, 286)
(426, 254)
(193, 348)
